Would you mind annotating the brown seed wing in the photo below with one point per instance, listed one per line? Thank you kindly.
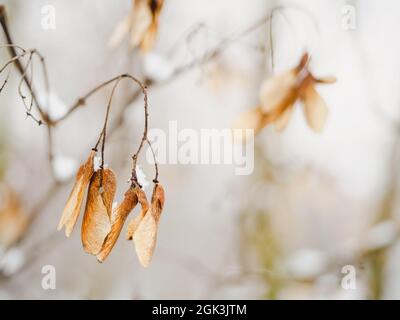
(276, 92)
(315, 109)
(120, 213)
(141, 21)
(282, 122)
(109, 186)
(145, 235)
(326, 80)
(141, 195)
(73, 206)
(145, 238)
(157, 201)
(149, 36)
(96, 222)
(303, 62)
(134, 223)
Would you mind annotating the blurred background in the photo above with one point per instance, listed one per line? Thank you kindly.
(317, 219)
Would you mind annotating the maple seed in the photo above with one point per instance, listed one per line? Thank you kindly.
(96, 223)
(73, 206)
(145, 235)
(119, 215)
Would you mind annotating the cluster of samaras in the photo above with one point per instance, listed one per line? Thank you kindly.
(278, 96)
(102, 223)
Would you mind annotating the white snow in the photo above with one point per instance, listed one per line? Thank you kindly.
(156, 67)
(306, 263)
(53, 105)
(141, 177)
(64, 167)
(11, 261)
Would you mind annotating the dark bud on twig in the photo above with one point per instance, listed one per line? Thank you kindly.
(81, 102)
